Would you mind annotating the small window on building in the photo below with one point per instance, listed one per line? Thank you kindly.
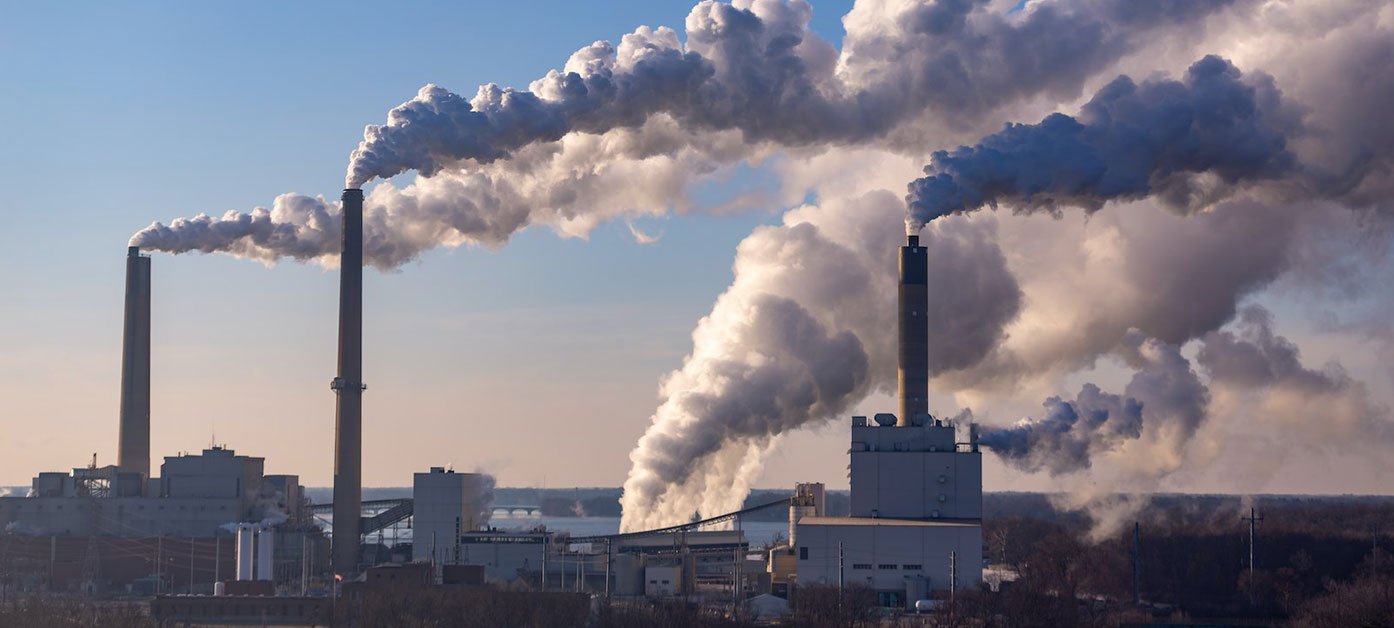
(885, 566)
(665, 582)
(803, 553)
(911, 567)
(866, 566)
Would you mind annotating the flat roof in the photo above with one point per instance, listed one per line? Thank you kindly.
(885, 521)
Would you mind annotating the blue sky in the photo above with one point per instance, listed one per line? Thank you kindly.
(118, 115)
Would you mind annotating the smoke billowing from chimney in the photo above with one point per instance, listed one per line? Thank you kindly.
(624, 129)
(1130, 141)
(1164, 396)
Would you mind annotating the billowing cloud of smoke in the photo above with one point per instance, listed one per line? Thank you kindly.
(754, 66)
(1262, 373)
(781, 370)
(623, 129)
(1130, 141)
(297, 226)
(1165, 396)
(1063, 439)
(781, 352)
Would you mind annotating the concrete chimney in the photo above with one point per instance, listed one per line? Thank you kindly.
(348, 420)
(133, 446)
(914, 331)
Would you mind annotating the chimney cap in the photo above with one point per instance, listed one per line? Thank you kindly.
(912, 240)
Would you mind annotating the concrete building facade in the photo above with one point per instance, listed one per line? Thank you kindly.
(916, 514)
(446, 505)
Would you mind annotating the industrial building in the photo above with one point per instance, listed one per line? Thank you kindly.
(446, 505)
(917, 491)
(121, 527)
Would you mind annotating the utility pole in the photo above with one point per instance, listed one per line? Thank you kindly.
(159, 563)
(1253, 519)
(304, 565)
(608, 554)
(953, 582)
(217, 556)
(1137, 564)
(1374, 550)
(735, 581)
(546, 542)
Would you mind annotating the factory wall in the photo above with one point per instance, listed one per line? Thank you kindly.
(886, 554)
(505, 557)
(913, 472)
(198, 494)
(446, 505)
(128, 516)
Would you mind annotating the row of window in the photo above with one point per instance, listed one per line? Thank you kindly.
(803, 555)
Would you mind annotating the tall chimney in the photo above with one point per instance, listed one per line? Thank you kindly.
(914, 331)
(133, 446)
(348, 419)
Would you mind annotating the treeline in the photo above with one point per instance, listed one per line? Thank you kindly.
(1194, 555)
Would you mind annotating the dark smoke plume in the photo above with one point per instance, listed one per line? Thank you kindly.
(1130, 141)
(1165, 398)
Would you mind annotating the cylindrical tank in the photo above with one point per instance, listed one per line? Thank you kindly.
(219, 589)
(244, 551)
(914, 332)
(266, 543)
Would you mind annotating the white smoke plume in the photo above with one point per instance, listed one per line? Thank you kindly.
(624, 129)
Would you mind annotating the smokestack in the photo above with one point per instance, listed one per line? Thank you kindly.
(348, 420)
(914, 331)
(133, 446)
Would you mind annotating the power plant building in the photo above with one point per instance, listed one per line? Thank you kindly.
(916, 492)
(446, 506)
(194, 495)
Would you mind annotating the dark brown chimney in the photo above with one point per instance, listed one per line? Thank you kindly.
(914, 331)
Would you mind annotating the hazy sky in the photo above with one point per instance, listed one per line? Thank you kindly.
(539, 361)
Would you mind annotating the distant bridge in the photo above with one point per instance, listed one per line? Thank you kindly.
(512, 509)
